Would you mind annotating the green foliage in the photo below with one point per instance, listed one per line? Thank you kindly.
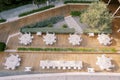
(112, 50)
(47, 29)
(50, 25)
(2, 20)
(2, 46)
(109, 50)
(97, 17)
(46, 22)
(79, 1)
(76, 13)
(39, 1)
(36, 10)
(89, 30)
(64, 26)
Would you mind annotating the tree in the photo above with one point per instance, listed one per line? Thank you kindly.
(97, 17)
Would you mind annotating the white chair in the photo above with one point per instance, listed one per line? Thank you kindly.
(39, 33)
(63, 68)
(18, 64)
(58, 67)
(91, 70)
(27, 69)
(13, 68)
(48, 67)
(74, 67)
(19, 59)
(118, 30)
(69, 67)
(43, 67)
(91, 34)
(53, 67)
(79, 68)
(17, 55)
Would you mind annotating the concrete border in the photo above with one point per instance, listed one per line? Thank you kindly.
(69, 74)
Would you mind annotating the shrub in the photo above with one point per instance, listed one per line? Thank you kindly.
(2, 20)
(69, 1)
(36, 10)
(77, 13)
(46, 22)
(68, 49)
(64, 26)
(47, 29)
(2, 46)
(50, 25)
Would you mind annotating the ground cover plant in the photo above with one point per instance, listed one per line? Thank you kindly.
(76, 13)
(45, 22)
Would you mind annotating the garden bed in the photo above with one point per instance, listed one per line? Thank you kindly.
(80, 1)
(110, 50)
(46, 23)
(47, 29)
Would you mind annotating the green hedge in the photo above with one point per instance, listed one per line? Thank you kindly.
(47, 29)
(46, 22)
(2, 46)
(96, 31)
(49, 21)
(69, 1)
(77, 13)
(68, 49)
(2, 20)
(36, 10)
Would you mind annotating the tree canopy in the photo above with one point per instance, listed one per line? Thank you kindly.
(97, 16)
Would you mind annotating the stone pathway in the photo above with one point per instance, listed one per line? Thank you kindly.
(73, 24)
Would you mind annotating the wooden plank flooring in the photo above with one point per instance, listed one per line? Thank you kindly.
(62, 41)
(89, 60)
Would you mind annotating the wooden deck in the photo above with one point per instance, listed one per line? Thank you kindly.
(14, 27)
(62, 41)
(33, 59)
